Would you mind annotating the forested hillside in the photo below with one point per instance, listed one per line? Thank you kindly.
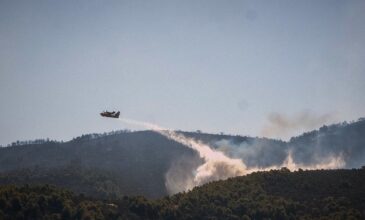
(344, 140)
(280, 194)
(92, 182)
(135, 163)
(136, 160)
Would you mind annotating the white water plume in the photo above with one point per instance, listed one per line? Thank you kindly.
(217, 165)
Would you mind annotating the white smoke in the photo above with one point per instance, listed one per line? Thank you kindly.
(330, 162)
(283, 126)
(216, 165)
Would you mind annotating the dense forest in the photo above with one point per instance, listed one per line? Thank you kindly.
(92, 182)
(277, 194)
(115, 164)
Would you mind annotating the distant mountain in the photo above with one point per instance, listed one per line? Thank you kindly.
(347, 139)
(135, 163)
(277, 195)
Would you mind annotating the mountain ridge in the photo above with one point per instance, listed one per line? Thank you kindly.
(139, 161)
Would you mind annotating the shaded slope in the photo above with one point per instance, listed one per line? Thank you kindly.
(275, 195)
(280, 194)
(138, 160)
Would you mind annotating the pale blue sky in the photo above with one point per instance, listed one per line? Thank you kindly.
(209, 65)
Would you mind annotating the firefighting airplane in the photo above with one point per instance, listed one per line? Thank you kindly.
(112, 114)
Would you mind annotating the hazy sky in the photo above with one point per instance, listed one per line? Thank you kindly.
(231, 66)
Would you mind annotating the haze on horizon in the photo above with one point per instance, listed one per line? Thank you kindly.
(257, 68)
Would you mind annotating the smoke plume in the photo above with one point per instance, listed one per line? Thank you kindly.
(330, 162)
(216, 165)
(282, 126)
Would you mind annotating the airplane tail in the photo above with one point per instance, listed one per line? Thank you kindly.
(117, 115)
